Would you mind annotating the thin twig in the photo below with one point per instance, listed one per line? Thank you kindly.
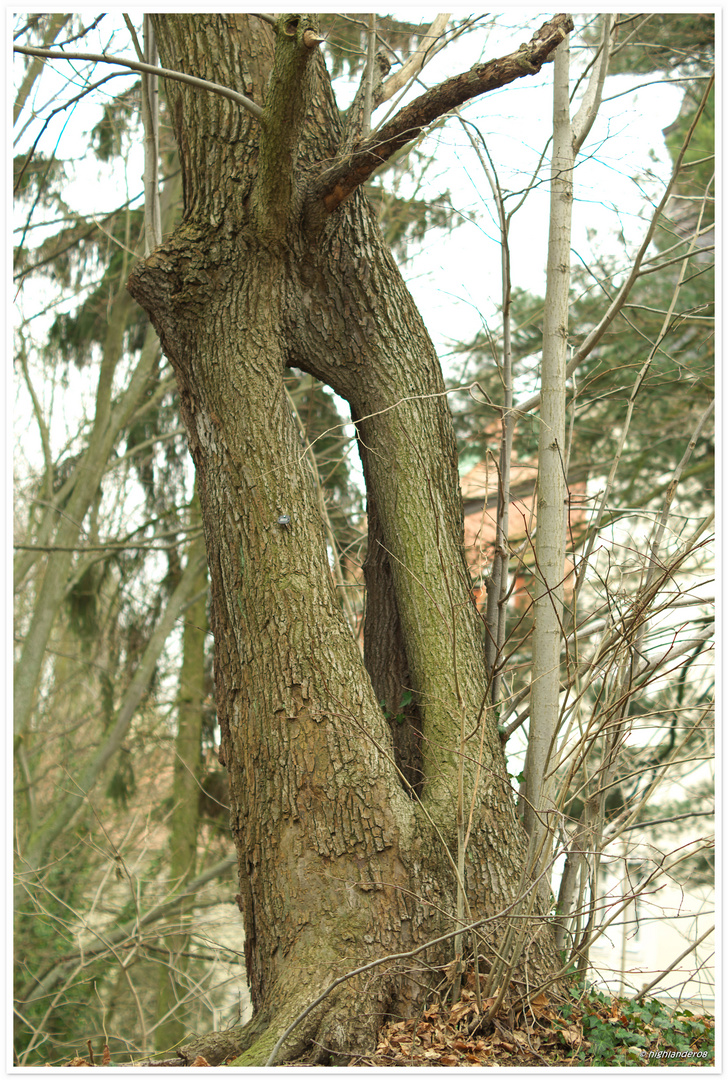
(149, 69)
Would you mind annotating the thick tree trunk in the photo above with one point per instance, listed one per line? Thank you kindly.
(338, 864)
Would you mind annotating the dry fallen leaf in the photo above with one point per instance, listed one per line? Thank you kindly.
(572, 1035)
(461, 1009)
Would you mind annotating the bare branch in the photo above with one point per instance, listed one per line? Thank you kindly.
(56, 25)
(67, 808)
(148, 69)
(366, 125)
(686, 952)
(338, 182)
(586, 114)
(150, 112)
(414, 64)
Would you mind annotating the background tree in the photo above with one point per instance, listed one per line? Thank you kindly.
(101, 587)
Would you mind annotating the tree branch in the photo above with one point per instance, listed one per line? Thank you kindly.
(582, 123)
(369, 75)
(427, 48)
(148, 69)
(432, 42)
(338, 182)
(56, 25)
(287, 98)
(676, 961)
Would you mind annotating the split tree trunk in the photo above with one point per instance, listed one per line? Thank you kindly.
(338, 863)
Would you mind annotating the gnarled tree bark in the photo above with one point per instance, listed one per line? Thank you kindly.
(269, 269)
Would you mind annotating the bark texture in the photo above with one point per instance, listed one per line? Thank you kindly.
(338, 863)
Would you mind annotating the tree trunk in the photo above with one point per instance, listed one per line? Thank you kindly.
(550, 547)
(186, 792)
(338, 863)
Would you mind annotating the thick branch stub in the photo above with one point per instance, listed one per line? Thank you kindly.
(297, 40)
(311, 39)
(337, 183)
